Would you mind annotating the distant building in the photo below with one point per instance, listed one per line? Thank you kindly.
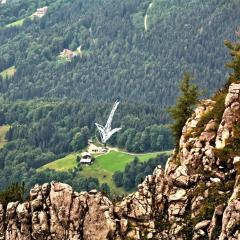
(40, 12)
(90, 141)
(86, 158)
(67, 53)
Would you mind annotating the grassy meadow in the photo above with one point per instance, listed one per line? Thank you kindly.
(103, 167)
(9, 72)
(3, 131)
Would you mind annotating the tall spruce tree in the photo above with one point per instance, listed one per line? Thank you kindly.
(234, 64)
(184, 106)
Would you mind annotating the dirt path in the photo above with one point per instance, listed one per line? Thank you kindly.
(133, 154)
(119, 150)
(146, 17)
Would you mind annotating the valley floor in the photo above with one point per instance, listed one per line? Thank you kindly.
(103, 167)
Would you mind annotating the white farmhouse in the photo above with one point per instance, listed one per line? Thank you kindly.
(86, 158)
(40, 12)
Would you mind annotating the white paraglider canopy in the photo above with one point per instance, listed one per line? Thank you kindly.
(106, 131)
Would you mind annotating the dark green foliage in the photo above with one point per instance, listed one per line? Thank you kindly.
(42, 131)
(120, 59)
(136, 171)
(152, 138)
(21, 171)
(105, 189)
(233, 145)
(71, 177)
(118, 178)
(235, 61)
(207, 207)
(14, 10)
(217, 231)
(214, 199)
(184, 107)
(61, 126)
(216, 112)
(189, 225)
(14, 192)
(80, 139)
(79, 165)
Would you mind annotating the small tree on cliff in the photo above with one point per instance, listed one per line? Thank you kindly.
(184, 106)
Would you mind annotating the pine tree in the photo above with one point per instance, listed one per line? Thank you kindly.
(184, 107)
(14, 192)
(235, 62)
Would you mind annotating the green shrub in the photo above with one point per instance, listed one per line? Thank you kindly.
(216, 112)
(12, 193)
(184, 107)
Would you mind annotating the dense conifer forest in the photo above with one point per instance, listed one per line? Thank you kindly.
(120, 59)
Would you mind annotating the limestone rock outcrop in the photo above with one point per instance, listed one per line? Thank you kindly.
(197, 196)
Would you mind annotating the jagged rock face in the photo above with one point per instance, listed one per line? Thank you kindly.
(194, 198)
(2, 237)
(138, 211)
(56, 212)
(231, 116)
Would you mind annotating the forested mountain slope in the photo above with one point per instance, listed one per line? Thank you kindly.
(131, 49)
(43, 131)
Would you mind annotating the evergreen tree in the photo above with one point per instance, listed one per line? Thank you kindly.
(235, 63)
(184, 106)
(105, 189)
(136, 171)
(118, 178)
(14, 192)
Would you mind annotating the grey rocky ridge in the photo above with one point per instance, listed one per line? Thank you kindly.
(197, 196)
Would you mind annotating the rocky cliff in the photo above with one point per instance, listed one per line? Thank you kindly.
(196, 197)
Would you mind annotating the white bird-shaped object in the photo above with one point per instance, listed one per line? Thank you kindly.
(106, 132)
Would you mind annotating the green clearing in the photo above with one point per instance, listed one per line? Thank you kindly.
(16, 23)
(3, 131)
(19, 22)
(9, 72)
(114, 161)
(103, 167)
(62, 164)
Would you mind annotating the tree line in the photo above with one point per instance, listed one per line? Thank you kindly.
(136, 171)
(43, 131)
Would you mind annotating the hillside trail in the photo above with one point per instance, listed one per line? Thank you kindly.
(121, 151)
(146, 17)
(132, 154)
